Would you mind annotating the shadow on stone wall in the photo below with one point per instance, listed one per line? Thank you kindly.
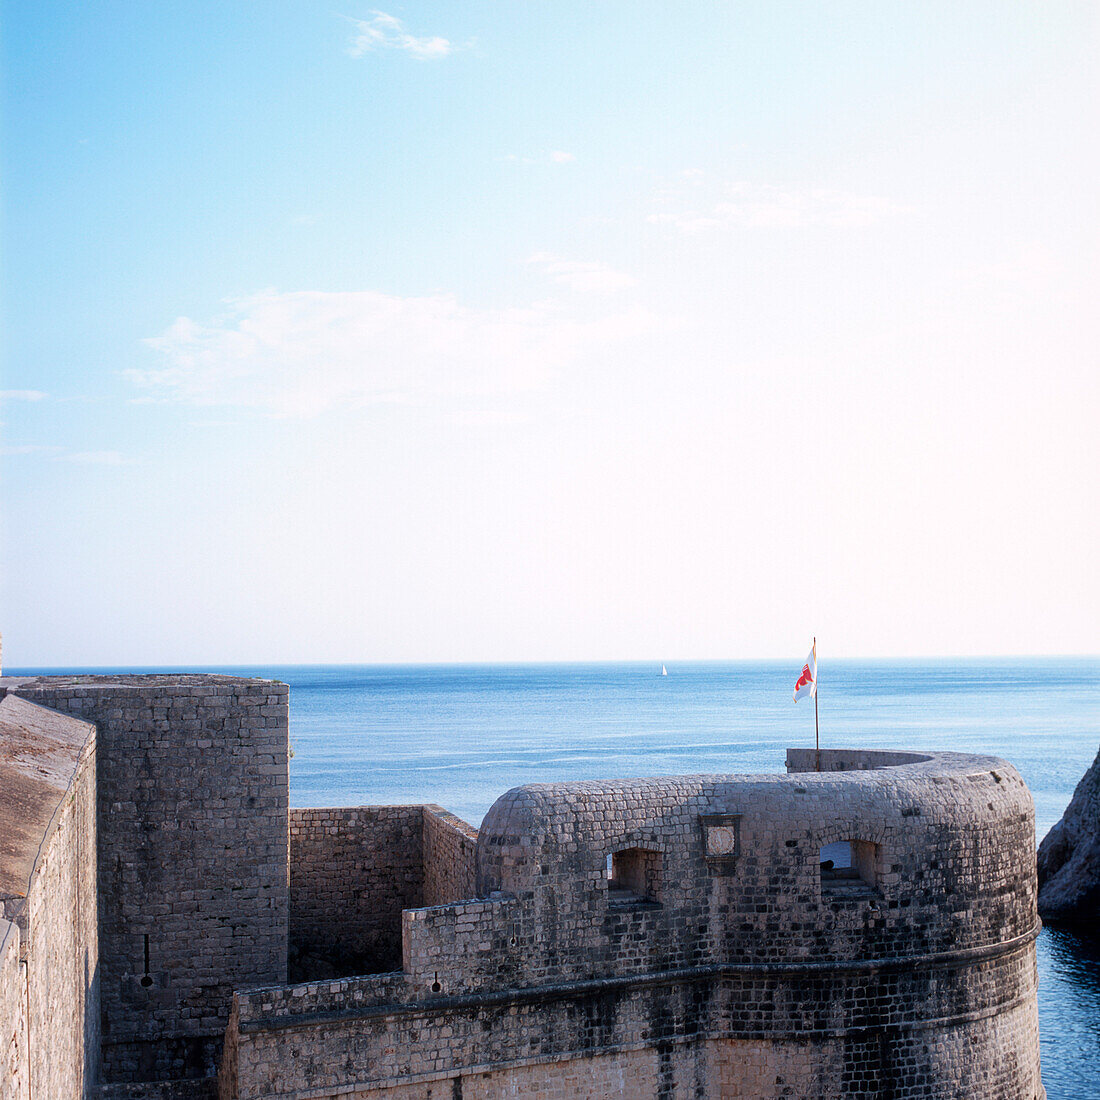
(354, 870)
(315, 964)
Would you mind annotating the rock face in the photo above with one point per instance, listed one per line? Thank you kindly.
(1069, 857)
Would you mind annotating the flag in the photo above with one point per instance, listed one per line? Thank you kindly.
(805, 686)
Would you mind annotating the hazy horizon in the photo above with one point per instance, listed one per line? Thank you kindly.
(672, 662)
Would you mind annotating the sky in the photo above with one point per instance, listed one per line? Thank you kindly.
(518, 331)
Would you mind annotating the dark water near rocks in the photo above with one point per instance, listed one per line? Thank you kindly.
(462, 735)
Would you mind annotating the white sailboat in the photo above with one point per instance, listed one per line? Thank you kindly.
(664, 671)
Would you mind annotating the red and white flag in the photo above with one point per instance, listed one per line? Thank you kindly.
(805, 686)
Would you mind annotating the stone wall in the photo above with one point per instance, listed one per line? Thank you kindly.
(450, 857)
(13, 1016)
(49, 970)
(849, 760)
(725, 963)
(62, 963)
(192, 868)
(192, 1088)
(626, 1073)
(469, 945)
(954, 863)
(922, 976)
(922, 1062)
(352, 872)
(958, 1027)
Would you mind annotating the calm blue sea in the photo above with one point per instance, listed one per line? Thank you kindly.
(462, 735)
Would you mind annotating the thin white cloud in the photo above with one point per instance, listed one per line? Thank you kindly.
(301, 353)
(585, 276)
(59, 454)
(552, 156)
(22, 395)
(745, 205)
(27, 449)
(386, 32)
(490, 418)
(95, 458)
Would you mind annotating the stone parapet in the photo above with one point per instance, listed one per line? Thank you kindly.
(49, 967)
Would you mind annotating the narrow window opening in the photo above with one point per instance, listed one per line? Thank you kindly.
(146, 978)
(849, 868)
(634, 877)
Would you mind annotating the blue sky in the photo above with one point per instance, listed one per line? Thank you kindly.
(514, 331)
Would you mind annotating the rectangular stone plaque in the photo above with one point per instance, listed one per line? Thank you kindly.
(721, 841)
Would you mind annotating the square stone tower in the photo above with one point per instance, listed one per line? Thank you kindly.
(192, 856)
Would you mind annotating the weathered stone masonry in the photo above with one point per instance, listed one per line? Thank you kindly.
(49, 970)
(746, 974)
(354, 871)
(675, 937)
(192, 795)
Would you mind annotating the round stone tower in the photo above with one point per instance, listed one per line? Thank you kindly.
(863, 926)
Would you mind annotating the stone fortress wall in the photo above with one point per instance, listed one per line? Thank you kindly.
(192, 791)
(354, 871)
(740, 964)
(645, 938)
(49, 970)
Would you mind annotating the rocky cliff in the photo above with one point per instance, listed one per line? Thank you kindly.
(1069, 857)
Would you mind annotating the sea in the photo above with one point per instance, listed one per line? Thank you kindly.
(461, 735)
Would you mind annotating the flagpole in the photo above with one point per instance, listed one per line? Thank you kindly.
(817, 727)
